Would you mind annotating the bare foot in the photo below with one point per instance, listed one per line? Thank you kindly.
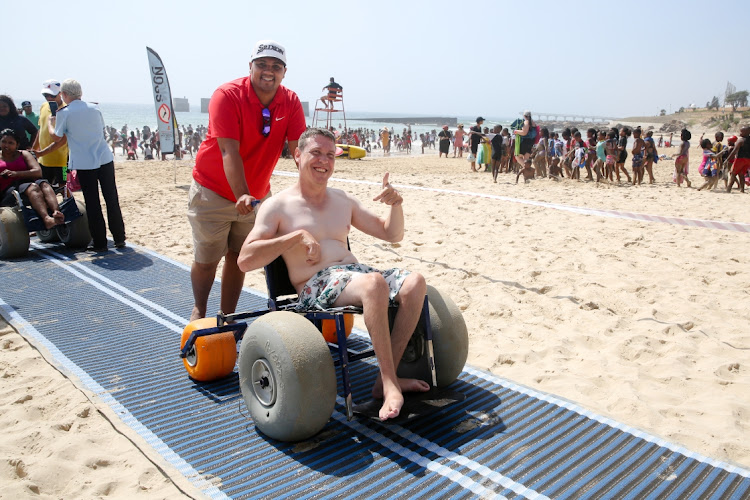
(49, 222)
(392, 404)
(58, 216)
(405, 384)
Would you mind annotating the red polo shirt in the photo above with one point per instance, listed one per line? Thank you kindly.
(235, 112)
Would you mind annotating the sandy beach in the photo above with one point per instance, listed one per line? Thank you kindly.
(643, 322)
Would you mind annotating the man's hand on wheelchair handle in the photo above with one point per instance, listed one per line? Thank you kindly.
(245, 204)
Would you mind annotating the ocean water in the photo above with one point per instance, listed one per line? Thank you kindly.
(138, 115)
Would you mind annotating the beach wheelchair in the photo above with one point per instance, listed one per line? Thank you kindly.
(287, 357)
(18, 221)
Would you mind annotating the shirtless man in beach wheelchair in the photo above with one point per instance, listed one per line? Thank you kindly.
(307, 225)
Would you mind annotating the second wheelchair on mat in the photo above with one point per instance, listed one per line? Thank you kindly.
(18, 221)
(287, 356)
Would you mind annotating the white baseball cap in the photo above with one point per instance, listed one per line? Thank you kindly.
(268, 48)
(51, 87)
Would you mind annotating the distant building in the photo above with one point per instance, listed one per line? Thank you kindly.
(204, 105)
(181, 104)
(306, 108)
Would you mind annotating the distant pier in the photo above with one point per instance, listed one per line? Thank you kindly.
(420, 120)
(562, 117)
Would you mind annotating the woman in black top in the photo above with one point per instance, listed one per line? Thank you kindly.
(9, 118)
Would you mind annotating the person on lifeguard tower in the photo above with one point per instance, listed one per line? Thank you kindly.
(334, 92)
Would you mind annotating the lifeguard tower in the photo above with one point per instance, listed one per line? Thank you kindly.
(328, 105)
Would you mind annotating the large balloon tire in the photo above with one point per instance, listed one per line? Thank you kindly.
(212, 356)
(450, 341)
(76, 233)
(48, 235)
(287, 376)
(14, 237)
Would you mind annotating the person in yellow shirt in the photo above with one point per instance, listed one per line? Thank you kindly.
(53, 157)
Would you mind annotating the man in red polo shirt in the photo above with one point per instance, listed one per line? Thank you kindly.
(248, 121)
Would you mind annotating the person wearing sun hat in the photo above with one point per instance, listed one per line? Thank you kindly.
(53, 156)
(249, 120)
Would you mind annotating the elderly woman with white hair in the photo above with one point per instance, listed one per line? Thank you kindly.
(91, 158)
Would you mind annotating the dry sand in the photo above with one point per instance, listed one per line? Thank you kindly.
(644, 322)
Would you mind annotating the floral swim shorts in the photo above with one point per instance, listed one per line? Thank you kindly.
(322, 290)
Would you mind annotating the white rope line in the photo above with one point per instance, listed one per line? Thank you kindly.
(618, 214)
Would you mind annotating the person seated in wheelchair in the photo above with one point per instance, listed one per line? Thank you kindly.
(20, 171)
(308, 225)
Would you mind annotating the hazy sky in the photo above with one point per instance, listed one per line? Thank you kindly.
(445, 58)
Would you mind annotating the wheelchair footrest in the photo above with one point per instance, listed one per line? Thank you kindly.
(416, 404)
(67, 207)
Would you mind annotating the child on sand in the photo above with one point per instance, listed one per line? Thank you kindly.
(601, 155)
(498, 150)
(650, 156)
(541, 154)
(741, 156)
(727, 164)
(527, 171)
(622, 153)
(578, 152)
(707, 168)
(566, 160)
(721, 155)
(505, 162)
(683, 159)
(637, 152)
(484, 154)
(590, 153)
(555, 151)
(610, 161)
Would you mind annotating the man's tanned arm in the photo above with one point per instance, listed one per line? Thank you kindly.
(391, 228)
(235, 172)
(262, 246)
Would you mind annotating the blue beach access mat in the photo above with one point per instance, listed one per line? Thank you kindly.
(118, 333)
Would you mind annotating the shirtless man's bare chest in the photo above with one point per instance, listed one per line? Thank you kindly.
(331, 235)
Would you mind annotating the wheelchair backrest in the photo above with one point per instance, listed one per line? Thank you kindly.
(277, 279)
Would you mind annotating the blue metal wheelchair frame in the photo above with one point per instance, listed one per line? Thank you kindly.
(277, 281)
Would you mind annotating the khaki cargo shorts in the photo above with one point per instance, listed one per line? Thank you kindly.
(217, 226)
